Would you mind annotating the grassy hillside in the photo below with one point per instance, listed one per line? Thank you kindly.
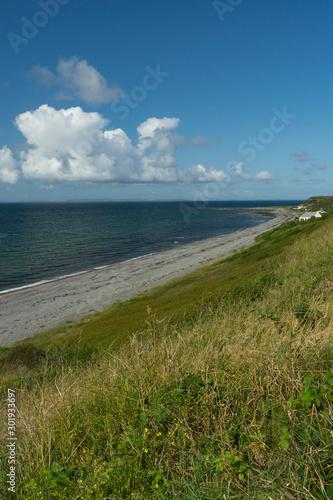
(317, 202)
(217, 385)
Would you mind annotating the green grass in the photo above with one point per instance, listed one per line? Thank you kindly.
(318, 202)
(216, 385)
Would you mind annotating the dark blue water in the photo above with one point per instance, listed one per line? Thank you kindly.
(44, 241)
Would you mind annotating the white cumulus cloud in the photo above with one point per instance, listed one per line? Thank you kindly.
(9, 172)
(78, 80)
(199, 173)
(153, 126)
(70, 145)
(156, 150)
(260, 176)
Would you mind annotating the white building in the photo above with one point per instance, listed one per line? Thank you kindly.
(309, 215)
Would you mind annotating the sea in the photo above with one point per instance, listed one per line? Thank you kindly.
(43, 242)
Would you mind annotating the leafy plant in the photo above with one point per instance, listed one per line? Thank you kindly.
(54, 476)
(285, 437)
(314, 390)
(166, 403)
(229, 462)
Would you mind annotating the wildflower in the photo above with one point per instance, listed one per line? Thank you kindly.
(145, 450)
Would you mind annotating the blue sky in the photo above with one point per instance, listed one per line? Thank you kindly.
(128, 100)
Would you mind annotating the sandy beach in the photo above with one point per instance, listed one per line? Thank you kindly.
(33, 310)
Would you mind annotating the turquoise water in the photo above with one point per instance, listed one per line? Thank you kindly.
(44, 241)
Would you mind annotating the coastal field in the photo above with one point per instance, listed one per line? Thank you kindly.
(218, 384)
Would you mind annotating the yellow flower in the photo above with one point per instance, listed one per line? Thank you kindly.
(145, 450)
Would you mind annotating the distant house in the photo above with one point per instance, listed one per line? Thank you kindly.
(305, 217)
(309, 215)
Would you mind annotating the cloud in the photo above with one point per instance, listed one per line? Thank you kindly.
(9, 172)
(151, 127)
(156, 150)
(302, 156)
(73, 145)
(265, 176)
(261, 176)
(78, 80)
(44, 76)
(69, 145)
(199, 173)
(239, 172)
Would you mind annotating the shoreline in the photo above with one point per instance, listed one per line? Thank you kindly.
(263, 212)
(26, 312)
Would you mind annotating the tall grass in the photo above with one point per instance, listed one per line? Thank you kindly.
(237, 403)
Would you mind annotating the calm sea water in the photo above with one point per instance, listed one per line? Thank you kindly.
(44, 241)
